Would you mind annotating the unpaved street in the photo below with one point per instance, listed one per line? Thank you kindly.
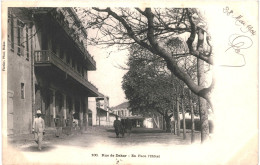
(106, 136)
(100, 144)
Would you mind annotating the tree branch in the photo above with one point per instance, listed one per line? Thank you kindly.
(171, 63)
(198, 54)
(128, 28)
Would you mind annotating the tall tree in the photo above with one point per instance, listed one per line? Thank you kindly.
(183, 114)
(152, 29)
(148, 87)
(192, 118)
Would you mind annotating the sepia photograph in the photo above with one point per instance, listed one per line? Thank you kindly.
(136, 83)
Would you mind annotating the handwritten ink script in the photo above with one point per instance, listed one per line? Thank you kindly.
(237, 42)
(239, 21)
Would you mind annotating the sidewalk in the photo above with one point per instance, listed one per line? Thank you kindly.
(28, 139)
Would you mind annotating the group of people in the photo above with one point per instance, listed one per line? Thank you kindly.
(122, 127)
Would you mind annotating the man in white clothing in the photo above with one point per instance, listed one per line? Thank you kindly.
(38, 129)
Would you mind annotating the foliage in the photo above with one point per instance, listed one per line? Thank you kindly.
(162, 32)
(147, 86)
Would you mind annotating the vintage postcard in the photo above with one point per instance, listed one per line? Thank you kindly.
(120, 82)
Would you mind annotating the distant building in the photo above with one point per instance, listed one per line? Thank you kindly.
(48, 66)
(99, 111)
(123, 112)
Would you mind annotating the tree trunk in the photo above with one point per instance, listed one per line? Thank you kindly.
(192, 119)
(177, 112)
(163, 122)
(203, 119)
(204, 124)
(156, 122)
(168, 123)
(159, 123)
(176, 127)
(174, 122)
(201, 82)
(183, 119)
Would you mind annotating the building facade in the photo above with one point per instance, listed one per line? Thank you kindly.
(123, 112)
(100, 112)
(48, 66)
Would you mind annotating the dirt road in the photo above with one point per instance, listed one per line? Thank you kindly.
(101, 145)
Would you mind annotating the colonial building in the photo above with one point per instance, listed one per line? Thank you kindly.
(100, 112)
(48, 66)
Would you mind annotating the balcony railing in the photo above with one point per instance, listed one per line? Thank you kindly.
(42, 56)
(48, 57)
(40, 10)
(71, 33)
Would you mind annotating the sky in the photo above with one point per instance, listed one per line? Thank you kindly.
(108, 77)
(235, 95)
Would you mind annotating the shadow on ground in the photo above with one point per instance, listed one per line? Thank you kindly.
(107, 136)
(114, 137)
(110, 130)
(147, 130)
(34, 148)
(140, 130)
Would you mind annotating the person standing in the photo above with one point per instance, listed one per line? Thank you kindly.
(123, 130)
(38, 129)
(128, 126)
(117, 126)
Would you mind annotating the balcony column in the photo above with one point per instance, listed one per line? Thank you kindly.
(73, 109)
(59, 116)
(70, 113)
(86, 112)
(64, 110)
(80, 114)
(52, 107)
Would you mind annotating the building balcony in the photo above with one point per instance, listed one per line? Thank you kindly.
(62, 21)
(59, 18)
(48, 58)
